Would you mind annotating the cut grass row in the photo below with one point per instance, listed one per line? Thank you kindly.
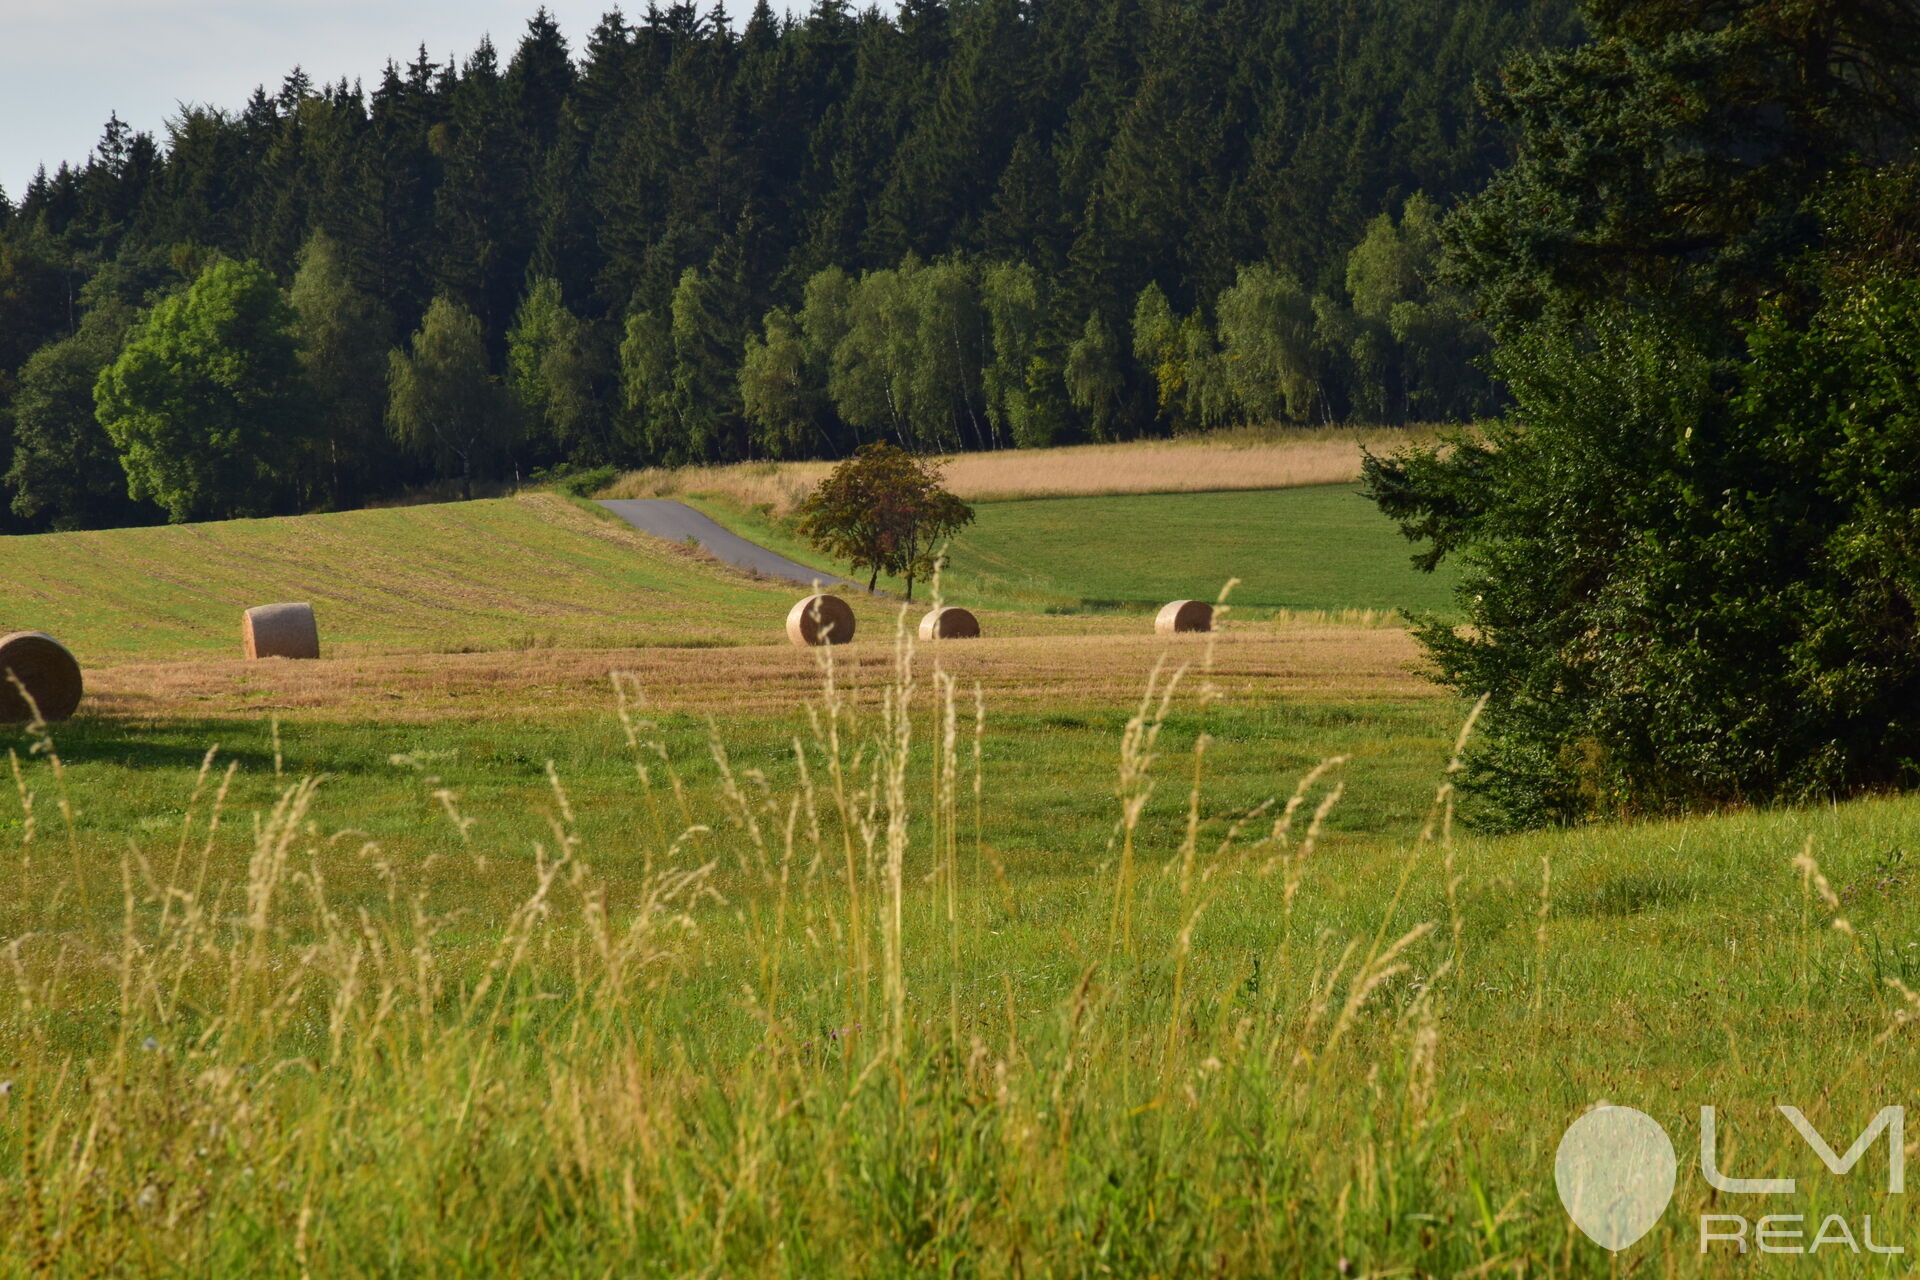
(1270, 663)
(500, 574)
(531, 572)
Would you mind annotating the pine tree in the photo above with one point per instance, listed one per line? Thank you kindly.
(1102, 145)
(481, 206)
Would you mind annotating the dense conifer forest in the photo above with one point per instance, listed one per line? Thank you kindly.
(970, 224)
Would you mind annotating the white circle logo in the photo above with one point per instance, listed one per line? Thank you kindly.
(1615, 1171)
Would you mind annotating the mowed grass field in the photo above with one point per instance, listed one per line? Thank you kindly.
(527, 572)
(662, 948)
(1324, 548)
(1319, 548)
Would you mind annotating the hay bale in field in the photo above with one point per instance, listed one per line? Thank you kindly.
(280, 631)
(949, 623)
(1184, 615)
(820, 619)
(48, 671)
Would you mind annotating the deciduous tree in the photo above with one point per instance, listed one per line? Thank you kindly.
(344, 333)
(444, 403)
(885, 511)
(778, 395)
(66, 472)
(206, 405)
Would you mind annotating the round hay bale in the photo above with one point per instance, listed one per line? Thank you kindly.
(1184, 615)
(949, 623)
(49, 672)
(820, 619)
(280, 631)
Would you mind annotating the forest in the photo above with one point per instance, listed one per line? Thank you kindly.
(969, 224)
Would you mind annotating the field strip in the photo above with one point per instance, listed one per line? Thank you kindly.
(1219, 461)
(1258, 664)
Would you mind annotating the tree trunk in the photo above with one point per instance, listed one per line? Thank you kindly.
(875, 577)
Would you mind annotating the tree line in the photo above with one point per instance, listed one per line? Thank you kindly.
(974, 224)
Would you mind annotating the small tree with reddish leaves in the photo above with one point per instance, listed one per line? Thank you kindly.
(885, 511)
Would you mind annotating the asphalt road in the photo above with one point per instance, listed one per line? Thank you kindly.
(665, 518)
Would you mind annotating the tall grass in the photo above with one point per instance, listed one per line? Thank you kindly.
(809, 1029)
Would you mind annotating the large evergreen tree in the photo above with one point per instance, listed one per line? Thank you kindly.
(1687, 550)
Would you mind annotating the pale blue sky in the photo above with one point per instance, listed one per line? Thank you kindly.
(64, 64)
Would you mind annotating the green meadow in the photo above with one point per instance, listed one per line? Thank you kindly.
(1151, 965)
(1319, 548)
(533, 571)
(1323, 548)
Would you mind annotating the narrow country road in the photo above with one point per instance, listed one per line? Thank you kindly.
(676, 521)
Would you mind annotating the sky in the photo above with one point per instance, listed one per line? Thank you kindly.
(65, 64)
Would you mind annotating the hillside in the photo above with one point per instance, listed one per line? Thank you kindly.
(510, 573)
